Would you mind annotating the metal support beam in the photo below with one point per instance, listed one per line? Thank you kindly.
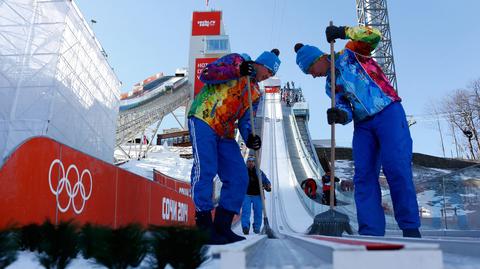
(141, 144)
(124, 152)
(374, 13)
(153, 136)
(175, 116)
(133, 121)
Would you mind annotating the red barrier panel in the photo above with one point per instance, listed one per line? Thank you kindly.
(45, 179)
(367, 244)
(133, 198)
(181, 187)
(23, 197)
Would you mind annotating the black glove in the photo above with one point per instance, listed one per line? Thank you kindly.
(336, 115)
(254, 142)
(267, 187)
(334, 32)
(326, 179)
(246, 68)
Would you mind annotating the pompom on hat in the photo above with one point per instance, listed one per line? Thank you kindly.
(306, 56)
(270, 60)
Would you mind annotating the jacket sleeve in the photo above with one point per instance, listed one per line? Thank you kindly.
(265, 180)
(341, 101)
(222, 70)
(244, 125)
(363, 40)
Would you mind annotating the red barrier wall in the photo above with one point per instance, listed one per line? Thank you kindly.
(45, 179)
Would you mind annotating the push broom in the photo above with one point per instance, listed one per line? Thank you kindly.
(331, 222)
(266, 225)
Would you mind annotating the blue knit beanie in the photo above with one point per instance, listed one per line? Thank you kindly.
(245, 56)
(270, 60)
(306, 56)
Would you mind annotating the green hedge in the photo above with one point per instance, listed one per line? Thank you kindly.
(127, 246)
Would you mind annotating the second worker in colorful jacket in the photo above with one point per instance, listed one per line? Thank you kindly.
(381, 135)
(222, 102)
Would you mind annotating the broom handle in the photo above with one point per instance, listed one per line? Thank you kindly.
(332, 138)
(257, 169)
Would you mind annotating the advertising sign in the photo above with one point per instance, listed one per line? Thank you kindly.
(200, 63)
(206, 23)
(274, 89)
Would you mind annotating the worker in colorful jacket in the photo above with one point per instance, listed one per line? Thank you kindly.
(381, 136)
(218, 106)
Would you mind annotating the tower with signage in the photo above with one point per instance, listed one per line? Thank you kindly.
(208, 42)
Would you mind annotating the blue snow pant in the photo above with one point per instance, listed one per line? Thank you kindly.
(214, 155)
(384, 140)
(256, 200)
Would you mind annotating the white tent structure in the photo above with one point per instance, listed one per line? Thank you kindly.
(55, 80)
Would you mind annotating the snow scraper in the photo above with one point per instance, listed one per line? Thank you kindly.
(266, 225)
(331, 222)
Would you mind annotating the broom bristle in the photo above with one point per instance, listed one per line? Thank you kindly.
(268, 231)
(331, 223)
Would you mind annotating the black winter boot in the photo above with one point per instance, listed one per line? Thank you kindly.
(223, 225)
(412, 233)
(203, 219)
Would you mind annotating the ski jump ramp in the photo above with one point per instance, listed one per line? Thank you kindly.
(291, 212)
(137, 114)
(286, 210)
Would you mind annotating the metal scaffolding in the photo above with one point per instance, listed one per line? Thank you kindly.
(133, 122)
(374, 13)
(54, 79)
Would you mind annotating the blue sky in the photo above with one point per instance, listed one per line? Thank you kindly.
(435, 46)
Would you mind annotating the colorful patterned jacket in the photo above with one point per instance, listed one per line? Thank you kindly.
(224, 98)
(362, 89)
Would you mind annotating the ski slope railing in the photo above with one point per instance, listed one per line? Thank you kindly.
(309, 164)
(456, 201)
(306, 161)
(313, 170)
(310, 145)
(133, 121)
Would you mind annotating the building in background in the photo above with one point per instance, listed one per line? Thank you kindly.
(208, 42)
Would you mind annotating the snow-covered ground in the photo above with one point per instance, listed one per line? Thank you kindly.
(462, 197)
(458, 203)
(161, 158)
(429, 193)
(28, 259)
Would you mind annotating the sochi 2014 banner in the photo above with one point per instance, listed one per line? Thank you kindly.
(200, 63)
(206, 23)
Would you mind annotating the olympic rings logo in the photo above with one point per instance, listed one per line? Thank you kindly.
(64, 183)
